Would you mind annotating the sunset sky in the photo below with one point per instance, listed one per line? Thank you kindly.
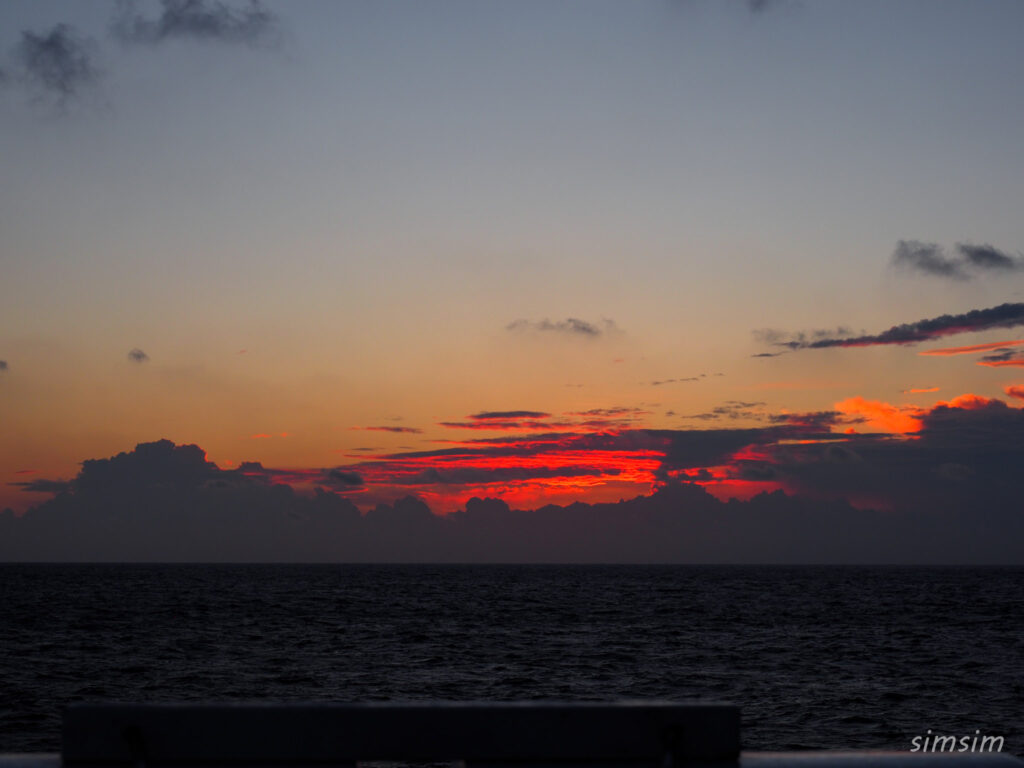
(537, 251)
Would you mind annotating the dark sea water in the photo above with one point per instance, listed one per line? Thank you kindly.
(816, 657)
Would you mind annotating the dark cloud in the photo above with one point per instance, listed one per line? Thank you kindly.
(981, 441)
(660, 382)
(59, 63)
(43, 486)
(510, 415)
(988, 257)
(931, 259)
(768, 354)
(801, 338)
(343, 479)
(734, 410)
(1003, 316)
(611, 412)
(197, 19)
(1003, 358)
(999, 355)
(570, 326)
(3, 365)
(136, 355)
(928, 258)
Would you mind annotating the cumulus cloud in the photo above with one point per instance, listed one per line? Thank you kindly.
(970, 260)
(197, 19)
(136, 355)
(1008, 315)
(1015, 391)
(58, 63)
(571, 326)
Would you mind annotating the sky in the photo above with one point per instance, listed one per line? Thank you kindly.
(539, 252)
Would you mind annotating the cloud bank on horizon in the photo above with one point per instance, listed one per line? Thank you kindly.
(882, 474)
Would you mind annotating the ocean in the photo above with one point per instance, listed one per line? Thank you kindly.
(815, 657)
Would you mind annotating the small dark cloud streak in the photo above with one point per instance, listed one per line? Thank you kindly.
(136, 355)
(1003, 316)
(571, 326)
(510, 415)
(396, 430)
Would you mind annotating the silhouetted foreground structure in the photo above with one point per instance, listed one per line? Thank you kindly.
(635, 734)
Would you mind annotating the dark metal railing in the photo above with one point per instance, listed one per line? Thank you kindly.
(625, 734)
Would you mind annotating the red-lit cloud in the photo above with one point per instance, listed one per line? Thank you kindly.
(971, 348)
(919, 391)
(883, 416)
(1000, 361)
(1014, 390)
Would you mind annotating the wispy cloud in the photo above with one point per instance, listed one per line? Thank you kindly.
(1003, 316)
(593, 420)
(58, 63)
(971, 348)
(571, 326)
(661, 382)
(1003, 358)
(136, 355)
(733, 410)
(196, 19)
(396, 430)
(970, 260)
